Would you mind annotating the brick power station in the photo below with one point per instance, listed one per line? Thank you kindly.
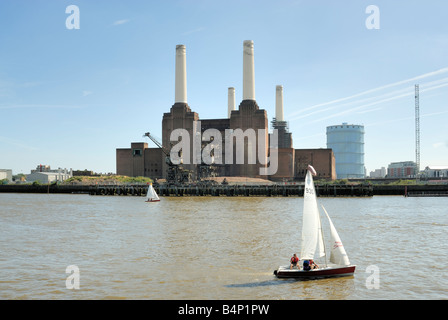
(141, 160)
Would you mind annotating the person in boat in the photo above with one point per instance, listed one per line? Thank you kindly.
(313, 264)
(306, 265)
(294, 261)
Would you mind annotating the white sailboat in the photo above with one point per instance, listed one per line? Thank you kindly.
(151, 195)
(312, 245)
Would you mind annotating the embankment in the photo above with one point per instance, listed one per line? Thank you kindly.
(324, 190)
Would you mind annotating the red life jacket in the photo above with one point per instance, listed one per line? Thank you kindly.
(294, 259)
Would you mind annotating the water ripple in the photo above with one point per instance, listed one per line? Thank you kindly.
(213, 247)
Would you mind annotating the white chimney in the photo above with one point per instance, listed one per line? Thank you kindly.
(231, 101)
(248, 71)
(181, 74)
(279, 103)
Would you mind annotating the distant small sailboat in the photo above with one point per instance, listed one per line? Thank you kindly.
(151, 195)
(312, 241)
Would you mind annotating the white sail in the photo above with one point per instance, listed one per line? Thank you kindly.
(338, 254)
(311, 227)
(151, 195)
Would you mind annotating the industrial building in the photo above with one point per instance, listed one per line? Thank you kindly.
(139, 160)
(347, 143)
(436, 172)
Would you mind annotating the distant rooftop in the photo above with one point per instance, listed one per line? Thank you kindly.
(437, 167)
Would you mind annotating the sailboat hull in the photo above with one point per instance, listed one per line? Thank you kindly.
(328, 272)
(152, 200)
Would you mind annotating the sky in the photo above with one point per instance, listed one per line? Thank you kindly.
(70, 97)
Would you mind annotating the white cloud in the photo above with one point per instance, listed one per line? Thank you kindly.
(440, 144)
(370, 110)
(186, 33)
(420, 77)
(365, 103)
(120, 22)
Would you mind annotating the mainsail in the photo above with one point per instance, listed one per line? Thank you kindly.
(311, 228)
(338, 254)
(151, 195)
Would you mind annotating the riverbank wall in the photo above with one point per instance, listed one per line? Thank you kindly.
(275, 190)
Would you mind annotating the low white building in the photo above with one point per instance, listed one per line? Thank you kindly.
(6, 174)
(436, 171)
(49, 177)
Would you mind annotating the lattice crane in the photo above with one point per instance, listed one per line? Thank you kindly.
(175, 173)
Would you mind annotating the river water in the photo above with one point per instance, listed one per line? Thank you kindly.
(215, 247)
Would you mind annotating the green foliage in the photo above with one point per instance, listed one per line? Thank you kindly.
(403, 183)
(135, 179)
(73, 179)
(107, 179)
(338, 182)
(19, 177)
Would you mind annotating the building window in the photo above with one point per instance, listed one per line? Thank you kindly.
(137, 152)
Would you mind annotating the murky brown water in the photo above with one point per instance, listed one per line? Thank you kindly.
(214, 247)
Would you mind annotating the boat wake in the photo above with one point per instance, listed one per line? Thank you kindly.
(266, 283)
